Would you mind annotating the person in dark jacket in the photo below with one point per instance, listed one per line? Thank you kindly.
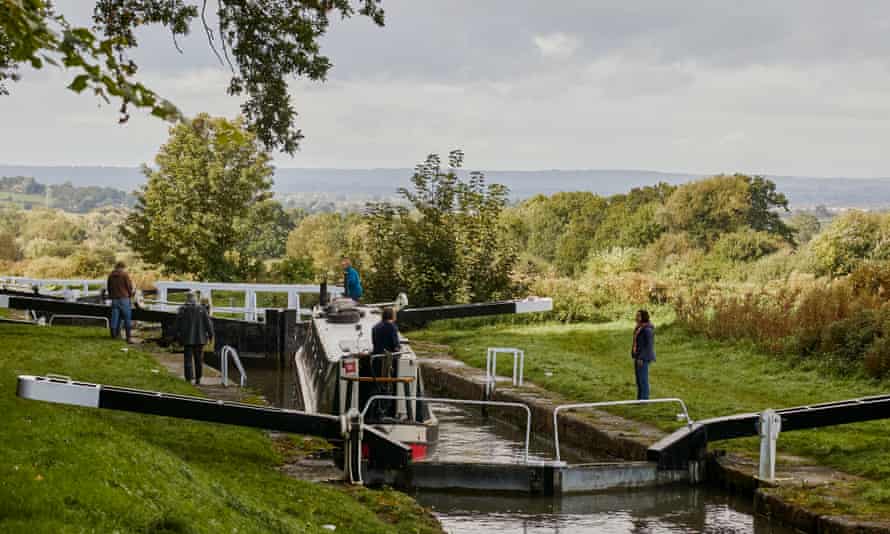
(643, 352)
(384, 339)
(385, 334)
(120, 291)
(194, 329)
(352, 284)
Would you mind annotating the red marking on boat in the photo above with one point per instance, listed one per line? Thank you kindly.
(366, 451)
(349, 367)
(418, 451)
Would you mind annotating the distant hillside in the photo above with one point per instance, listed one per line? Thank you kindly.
(27, 192)
(803, 192)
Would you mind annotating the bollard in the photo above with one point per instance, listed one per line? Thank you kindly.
(352, 447)
(770, 424)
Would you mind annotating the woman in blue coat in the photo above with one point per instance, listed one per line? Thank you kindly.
(643, 352)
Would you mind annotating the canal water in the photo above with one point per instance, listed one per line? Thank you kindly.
(466, 436)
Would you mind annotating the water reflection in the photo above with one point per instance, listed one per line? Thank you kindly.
(677, 509)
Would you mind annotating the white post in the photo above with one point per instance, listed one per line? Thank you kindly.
(224, 365)
(770, 426)
(521, 365)
(292, 300)
(297, 305)
(207, 293)
(515, 363)
(251, 305)
(162, 296)
(488, 375)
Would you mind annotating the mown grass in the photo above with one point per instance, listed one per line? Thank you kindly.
(71, 469)
(591, 362)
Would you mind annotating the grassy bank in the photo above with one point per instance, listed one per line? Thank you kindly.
(70, 469)
(591, 362)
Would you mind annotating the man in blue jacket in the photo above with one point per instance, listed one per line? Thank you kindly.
(351, 281)
(643, 352)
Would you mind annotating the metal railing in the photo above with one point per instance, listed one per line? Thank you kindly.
(528, 412)
(224, 355)
(491, 364)
(75, 316)
(684, 415)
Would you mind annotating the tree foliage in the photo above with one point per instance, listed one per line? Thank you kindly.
(706, 209)
(566, 228)
(263, 44)
(746, 245)
(323, 239)
(448, 247)
(851, 238)
(205, 203)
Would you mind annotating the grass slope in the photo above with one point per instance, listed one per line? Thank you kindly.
(71, 469)
(591, 362)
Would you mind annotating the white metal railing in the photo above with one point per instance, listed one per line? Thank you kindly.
(64, 284)
(491, 364)
(437, 400)
(251, 311)
(226, 352)
(684, 415)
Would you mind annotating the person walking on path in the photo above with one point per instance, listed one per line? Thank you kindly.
(193, 329)
(351, 281)
(120, 290)
(643, 352)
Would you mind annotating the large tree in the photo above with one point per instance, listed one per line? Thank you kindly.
(204, 202)
(448, 246)
(706, 209)
(263, 44)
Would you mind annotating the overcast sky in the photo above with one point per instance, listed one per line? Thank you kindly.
(790, 87)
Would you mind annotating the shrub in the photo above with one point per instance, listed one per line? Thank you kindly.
(9, 250)
(91, 263)
(40, 247)
(871, 278)
(848, 338)
(774, 267)
(614, 261)
(877, 358)
(848, 240)
(49, 267)
(746, 245)
(669, 249)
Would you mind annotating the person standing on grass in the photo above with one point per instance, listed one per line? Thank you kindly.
(193, 329)
(120, 290)
(352, 284)
(643, 352)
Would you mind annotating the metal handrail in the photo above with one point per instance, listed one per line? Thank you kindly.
(528, 412)
(75, 316)
(684, 415)
(224, 365)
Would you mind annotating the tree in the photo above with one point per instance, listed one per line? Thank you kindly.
(805, 226)
(706, 209)
(762, 213)
(850, 239)
(196, 215)
(265, 230)
(449, 247)
(325, 238)
(262, 43)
